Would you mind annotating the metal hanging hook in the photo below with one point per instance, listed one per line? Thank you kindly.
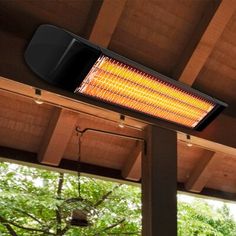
(79, 135)
(82, 132)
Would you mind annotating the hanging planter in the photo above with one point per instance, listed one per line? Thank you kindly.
(79, 218)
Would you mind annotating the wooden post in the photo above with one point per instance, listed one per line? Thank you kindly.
(159, 183)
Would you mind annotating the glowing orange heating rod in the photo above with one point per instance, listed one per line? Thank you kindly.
(118, 83)
(72, 63)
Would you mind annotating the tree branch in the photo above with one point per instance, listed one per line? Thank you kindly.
(10, 230)
(67, 227)
(29, 215)
(114, 225)
(111, 226)
(8, 227)
(105, 196)
(58, 211)
(4, 221)
(58, 218)
(60, 185)
(25, 213)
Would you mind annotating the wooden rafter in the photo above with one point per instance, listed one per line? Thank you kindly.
(202, 172)
(132, 167)
(101, 34)
(57, 136)
(202, 44)
(193, 60)
(106, 22)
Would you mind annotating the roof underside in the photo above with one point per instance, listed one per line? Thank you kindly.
(190, 41)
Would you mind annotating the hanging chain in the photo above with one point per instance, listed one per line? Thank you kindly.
(78, 163)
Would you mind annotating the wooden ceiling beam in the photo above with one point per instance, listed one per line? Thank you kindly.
(219, 135)
(203, 41)
(57, 136)
(30, 159)
(202, 172)
(209, 193)
(132, 167)
(207, 144)
(106, 22)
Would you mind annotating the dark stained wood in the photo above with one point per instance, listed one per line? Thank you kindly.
(97, 148)
(209, 192)
(224, 177)
(101, 149)
(106, 22)
(22, 122)
(155, 33)
(188, 158)
(203, 41)
(21, 18)
(131, 169)
(57, 136)
(221, 130)
(218, 75)
(205, 144)
(202, 172)
(30, 159)
(159, 183)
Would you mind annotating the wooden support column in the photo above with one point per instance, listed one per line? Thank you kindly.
(159, 183)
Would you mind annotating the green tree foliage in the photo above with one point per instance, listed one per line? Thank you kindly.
(37, 202)
(201, 219)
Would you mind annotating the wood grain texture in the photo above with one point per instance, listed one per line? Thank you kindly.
(106, 22)
(22, 122)
(21, 18)
(202, 172)
(132, 167)
(224, 177)
(217, 77)
(207, 144)
(220, 131)
(155, 33)
(57, 136)
(195, 56)
(159, 183)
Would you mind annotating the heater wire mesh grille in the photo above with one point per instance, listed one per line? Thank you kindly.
(115, 82)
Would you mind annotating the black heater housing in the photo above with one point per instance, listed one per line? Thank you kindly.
(64, 59)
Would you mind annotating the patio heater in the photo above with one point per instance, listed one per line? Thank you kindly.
(74, 64)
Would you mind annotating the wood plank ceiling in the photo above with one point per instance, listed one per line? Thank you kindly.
(191, 41)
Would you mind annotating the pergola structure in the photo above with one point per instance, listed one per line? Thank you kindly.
(190, 41)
